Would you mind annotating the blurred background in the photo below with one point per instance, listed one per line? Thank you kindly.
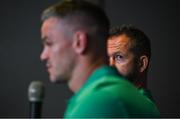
(20, 47)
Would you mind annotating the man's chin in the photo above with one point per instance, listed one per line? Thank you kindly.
(57, 80)
(132, 77)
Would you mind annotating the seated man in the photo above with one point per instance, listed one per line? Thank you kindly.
(129, 50)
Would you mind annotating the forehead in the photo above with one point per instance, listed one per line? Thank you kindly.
(49, 24)
(119, 43)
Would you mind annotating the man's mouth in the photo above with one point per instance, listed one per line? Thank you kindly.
(48, 66)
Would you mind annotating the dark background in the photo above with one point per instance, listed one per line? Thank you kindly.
(20, 47)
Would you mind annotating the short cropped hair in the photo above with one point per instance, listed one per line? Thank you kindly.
(141, 43)
(81, 14)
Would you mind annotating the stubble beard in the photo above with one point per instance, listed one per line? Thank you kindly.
(133, 76)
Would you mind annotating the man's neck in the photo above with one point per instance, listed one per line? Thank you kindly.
(82, 71)
(141, 82)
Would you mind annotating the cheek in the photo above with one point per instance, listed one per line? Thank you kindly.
(55, 51)
(60, 48)
(56, 54)
(60, 56)
(124, 68)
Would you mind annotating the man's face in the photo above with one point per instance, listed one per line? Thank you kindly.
(122, 57)
(57, 51)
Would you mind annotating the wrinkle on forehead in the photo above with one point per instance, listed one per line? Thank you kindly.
(118, 44)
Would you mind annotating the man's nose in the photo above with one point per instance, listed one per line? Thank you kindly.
(44, 54)
(111, 61)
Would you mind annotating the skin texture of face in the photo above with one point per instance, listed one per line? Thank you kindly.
(57, 52)
(122, 57)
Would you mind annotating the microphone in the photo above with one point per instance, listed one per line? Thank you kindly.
(35, 95)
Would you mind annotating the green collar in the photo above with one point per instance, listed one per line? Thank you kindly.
(103, 70)
(99, 72)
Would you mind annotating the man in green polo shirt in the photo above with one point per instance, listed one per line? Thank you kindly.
(74, 34)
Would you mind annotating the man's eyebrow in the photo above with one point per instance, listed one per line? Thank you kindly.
(117, 53)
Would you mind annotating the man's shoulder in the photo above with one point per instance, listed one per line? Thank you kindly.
(113, 93)
(109, 95)
(97, 103)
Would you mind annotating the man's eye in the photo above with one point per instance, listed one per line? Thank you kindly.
(118, 58)
(48, 43)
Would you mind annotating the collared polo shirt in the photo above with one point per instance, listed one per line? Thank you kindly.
(106, 94)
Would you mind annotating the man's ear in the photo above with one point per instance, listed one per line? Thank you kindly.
(143, 65)
(80, 42)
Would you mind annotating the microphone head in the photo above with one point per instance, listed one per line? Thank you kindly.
(36, 91)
